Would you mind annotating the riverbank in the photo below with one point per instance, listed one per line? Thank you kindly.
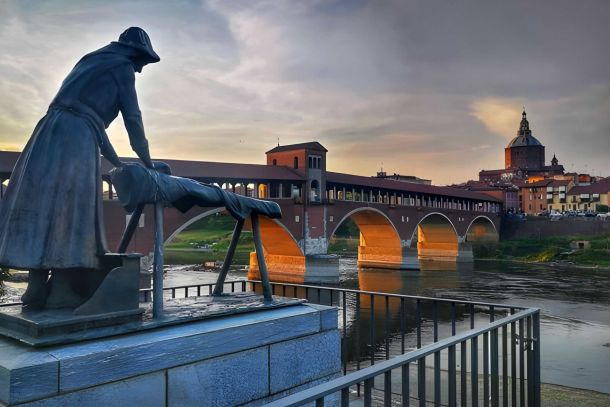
(561, 396)
(558, 250)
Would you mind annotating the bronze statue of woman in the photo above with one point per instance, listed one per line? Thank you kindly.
(51, 215)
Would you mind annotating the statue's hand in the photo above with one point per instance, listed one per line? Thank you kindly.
(162, 167)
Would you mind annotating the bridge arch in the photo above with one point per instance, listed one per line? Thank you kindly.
(482, 230)
(437, 238)
(194, 219)
(283, 255)
(380, 244)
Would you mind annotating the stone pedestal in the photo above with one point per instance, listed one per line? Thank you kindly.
(246, 359)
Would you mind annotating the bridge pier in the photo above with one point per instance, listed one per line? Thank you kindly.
(459, 252)
(464, 252)
(409, 258)
(309, 269)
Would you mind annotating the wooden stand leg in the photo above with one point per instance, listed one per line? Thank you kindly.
(262, 266)
(158, 263)
(131, 227)
(218, 289)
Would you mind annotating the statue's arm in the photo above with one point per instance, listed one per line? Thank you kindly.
(130, 110)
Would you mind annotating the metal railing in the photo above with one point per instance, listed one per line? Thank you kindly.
(479, 353)
(341, 387)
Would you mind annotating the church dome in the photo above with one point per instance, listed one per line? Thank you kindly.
(522, 141)
(524, 135)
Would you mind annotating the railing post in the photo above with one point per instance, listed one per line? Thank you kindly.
(495, 383)
(452, 376)
(158, 263)
(421, 381)
(536, 378)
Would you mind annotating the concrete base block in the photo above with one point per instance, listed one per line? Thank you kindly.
(236, 360)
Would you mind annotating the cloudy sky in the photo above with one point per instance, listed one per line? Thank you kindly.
(428, 88)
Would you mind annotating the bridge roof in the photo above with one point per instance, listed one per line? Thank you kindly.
(199, 170)
(388, 184)
(210, 171)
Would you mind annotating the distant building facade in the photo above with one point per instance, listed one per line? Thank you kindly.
(588, 198)
(533, 197)
(556, 194)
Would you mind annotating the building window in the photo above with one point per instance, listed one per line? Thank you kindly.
(296, 163)
(315, 161)
(274, 161)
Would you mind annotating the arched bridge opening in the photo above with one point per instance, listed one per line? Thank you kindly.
(379, 243)
(437, 238)
(283, 256)
(482, 231)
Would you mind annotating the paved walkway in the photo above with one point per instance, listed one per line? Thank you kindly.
(559, 396)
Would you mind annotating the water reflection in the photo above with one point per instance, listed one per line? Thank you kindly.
(574, 303)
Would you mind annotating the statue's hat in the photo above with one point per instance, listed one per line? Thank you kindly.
(135, 37)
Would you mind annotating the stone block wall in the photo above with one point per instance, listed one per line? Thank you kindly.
(241, 360)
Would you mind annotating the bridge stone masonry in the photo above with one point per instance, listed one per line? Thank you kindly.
(401, 223)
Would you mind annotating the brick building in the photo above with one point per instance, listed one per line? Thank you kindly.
(533, 196)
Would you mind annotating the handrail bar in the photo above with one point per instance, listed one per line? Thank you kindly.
(335, 385)
(393, 295)
(347, 290)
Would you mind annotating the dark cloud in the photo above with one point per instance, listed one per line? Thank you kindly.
(427, 87)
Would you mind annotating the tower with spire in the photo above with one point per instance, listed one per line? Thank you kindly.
(524, 151)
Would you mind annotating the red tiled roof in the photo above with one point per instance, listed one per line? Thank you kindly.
(370, 182)
(312, 145)
(601, 187)
(561, 182)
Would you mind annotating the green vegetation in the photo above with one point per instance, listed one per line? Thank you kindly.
(343, 245)
(346, 239)
(549, 249)
(208, 240)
